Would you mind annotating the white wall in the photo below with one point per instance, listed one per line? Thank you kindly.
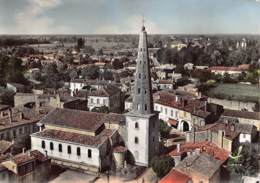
(165, 112)
(142, 134)
(36, 144)
(244, 138)
(103, 101)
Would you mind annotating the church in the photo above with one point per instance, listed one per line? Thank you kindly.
(95, 141)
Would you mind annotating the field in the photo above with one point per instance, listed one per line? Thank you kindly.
(240, 92)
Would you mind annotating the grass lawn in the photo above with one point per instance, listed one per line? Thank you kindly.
(240, 92)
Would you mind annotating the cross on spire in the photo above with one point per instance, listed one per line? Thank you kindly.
(143, 27)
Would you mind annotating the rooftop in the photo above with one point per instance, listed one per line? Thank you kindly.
(75, 137)
(83, 120)
(204, 147)
(175, 176)
(203, 164)
(22, 158)
(241, 114)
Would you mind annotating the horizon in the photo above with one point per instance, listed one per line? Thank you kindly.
(63, 17)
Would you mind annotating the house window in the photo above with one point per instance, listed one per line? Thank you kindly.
(156, 108)
(60, 148)
(97, 101)
(51, 146)
(145, 107)
(139, 90)
(171, 112)
(91, 100)
(89, 153)
(161, 109)
(165, 111)
(43, 144)
(140, 75)
(145, 92)
(78, 151)
(144, 76)
(138, 106)
(104, 101)
(136, 140)
(69, 150)
(136, 125)
(14, 133)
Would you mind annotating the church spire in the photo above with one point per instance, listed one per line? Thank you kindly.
(142, 99)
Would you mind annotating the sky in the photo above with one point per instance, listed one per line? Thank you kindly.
(125, 16)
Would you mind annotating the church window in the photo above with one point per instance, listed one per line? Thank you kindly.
(136, 140)
(69, 149)
(43, 144)
(145, 107)
(144, 76)
(145, 91)
(139, 90)
(60, 148)
(140, 75)
(89, 153)
(138, 106)
(136, 125)
(51, 146)
(141, 49)
(78, 151)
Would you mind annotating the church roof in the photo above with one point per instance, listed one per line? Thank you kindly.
(83, 120)
(75, 137)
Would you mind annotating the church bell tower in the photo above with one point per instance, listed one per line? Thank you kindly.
(142, 136)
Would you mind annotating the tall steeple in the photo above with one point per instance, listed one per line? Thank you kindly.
(142, 134)
(142, 95)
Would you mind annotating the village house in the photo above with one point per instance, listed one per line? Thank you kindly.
(20, 164)
(221, 134)
(108, 95)
(243, 117)
(234, 71)
(201, 168)
(190, 148)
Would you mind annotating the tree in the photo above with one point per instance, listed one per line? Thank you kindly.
(117, 64)
(91, 72)
(245, 162)
(102, 109)
(50, 76)
(164, 129)
(162, 165)
(81, 43)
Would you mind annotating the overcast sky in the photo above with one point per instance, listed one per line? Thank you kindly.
(125, 16)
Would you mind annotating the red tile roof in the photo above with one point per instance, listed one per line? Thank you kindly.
(75, 137)
(22, 158)
(119, 149)
(172, 122)
(38, 155)
(205, 147)
(175, 176)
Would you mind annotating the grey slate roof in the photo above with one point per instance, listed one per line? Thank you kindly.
(203, 164)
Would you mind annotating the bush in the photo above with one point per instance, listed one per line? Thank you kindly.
(164, 129)
(162, 165)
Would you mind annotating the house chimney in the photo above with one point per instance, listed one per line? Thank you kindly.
(23, 150)
(221, 134)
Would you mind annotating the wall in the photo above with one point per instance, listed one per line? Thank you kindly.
(93, 161)
(233, 104)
